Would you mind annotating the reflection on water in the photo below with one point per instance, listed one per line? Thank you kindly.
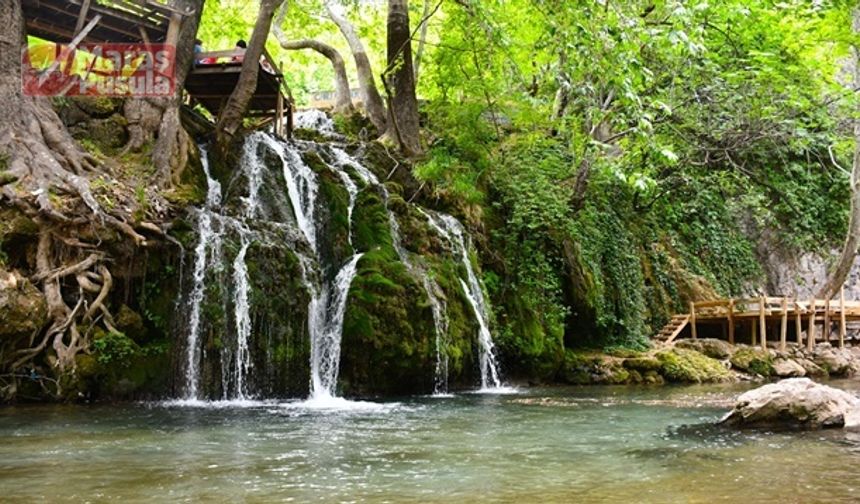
(550, 445)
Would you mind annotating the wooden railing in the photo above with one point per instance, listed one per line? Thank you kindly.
(758, 310)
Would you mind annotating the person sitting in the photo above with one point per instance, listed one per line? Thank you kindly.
(241, 46)
(198, 50)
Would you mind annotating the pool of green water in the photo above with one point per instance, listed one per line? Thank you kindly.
(596, 444)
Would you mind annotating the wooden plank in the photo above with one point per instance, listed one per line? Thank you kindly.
(842, 317)
(783, 328)
(693, 319)
(798, 323)
(810, 333)
(762, 324)
(732, 321)
(711, 304)
(69, 49)
(680, 327)
(279, 115)
(82, 16)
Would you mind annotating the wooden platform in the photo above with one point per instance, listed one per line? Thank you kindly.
(763, 319)
(210, 85)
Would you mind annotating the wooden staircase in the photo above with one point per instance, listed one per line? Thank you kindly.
(673, 328)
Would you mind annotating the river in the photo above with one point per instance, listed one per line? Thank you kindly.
(592, 444)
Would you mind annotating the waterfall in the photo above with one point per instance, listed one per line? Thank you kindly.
(437, 305)
(302, 188)
(328, 304)
(451, 229)
(208, 244)
(440, 322)
(313, 119)
(248, 222)
(327, 331)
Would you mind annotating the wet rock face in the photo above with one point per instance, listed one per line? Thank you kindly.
(797, 403)
(23, 309)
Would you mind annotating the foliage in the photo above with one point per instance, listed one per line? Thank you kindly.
(115, 348)
(619, 158)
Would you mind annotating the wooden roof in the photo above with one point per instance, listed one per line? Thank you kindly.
(132, 21)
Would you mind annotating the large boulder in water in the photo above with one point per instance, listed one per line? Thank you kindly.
(795, 403)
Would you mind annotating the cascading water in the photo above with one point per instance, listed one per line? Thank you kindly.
(327, 305)
(451, 229)
(327, 331)
(250, 227)
(208, 242)
(313, 119)
(212, 227)
(440, 319)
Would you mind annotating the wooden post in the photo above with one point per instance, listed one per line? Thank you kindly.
(798, 321)
(82, 16)
(732, 321)
(810, 333)
(693, 319)
(762, 323)
(173, 29)
(783, 329)
(753, 327)
(825, 334)
(842, 317)
(279, 113)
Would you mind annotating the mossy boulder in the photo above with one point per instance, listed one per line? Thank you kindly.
(585, 368)
(714, 348)
(130, 322)
(689, 366)
(580, 369)
(388, 334)
(643, 364)
(753, 360)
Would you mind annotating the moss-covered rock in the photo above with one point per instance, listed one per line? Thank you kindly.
(23, 309)
(130, 322)
(753, 360)
(714, 348)
(643, 364)
(689, 366)
(388, 341)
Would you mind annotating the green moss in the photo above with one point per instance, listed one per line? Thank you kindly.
(388, 336)
(753, 360)
(371, 227)
(643, 364)
(689, 366)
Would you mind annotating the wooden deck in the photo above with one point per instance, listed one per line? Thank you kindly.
(763, 319)
(211, 83)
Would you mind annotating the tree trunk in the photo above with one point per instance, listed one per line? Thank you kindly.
(399, 81)
(47, 178)
(230, 118)
(343, 99)
(422, 38)
(843, 266)
(35, 146)
(369, 94)
(158, 119)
